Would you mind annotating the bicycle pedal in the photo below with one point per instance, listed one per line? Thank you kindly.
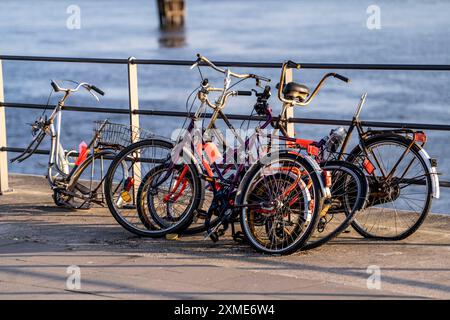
(321, 225)
(214, 236)
(220, 232)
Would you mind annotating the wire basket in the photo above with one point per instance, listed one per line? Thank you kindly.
(118, 135)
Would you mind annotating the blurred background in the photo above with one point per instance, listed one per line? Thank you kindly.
(410, 32)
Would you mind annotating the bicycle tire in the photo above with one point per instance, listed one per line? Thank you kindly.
(244, 194)
(357, 152)
(81, 169)
(177, 227)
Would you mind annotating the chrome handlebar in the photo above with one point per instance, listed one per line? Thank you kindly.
(205, 60)
(293, 65)
(89, 87)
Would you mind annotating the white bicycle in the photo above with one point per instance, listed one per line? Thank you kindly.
(76, 177)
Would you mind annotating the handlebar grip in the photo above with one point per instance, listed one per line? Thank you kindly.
(54, 86)
(99, 91)
(243, 93)
(293, 65)
(342, 78)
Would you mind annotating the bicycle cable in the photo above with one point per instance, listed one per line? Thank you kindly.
(48, 102)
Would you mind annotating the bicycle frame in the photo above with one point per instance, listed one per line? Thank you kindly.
(58, 160)
(416, 137)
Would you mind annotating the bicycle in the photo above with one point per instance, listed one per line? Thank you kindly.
(72, 175)
(392, 160)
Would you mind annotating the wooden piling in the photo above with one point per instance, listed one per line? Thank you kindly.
(171, 14)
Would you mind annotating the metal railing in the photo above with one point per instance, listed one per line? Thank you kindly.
(133, 105)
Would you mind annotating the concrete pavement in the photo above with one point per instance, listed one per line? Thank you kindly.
(38, 242)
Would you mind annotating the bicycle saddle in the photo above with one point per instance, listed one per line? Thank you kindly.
(295, 91)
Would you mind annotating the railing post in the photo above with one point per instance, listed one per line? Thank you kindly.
(133, 100)
(4, 185)
(289, 113)
(133, 96)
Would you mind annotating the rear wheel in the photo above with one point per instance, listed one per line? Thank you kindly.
(398, 205)
(88, 185)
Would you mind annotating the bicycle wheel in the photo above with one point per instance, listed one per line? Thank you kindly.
(151, 213)
(281, 200)
(161, 206)
(122, 187)
(87, 186)
(397, 206)
(349, 190)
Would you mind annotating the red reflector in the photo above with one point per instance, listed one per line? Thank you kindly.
(368, 166)
(312, 150)
(420, 137)
(128, 183)
(327, 178)
(82, 153)
(303, 143)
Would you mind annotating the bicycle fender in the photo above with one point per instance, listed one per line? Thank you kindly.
(429, 162)
(432, 170)
(324, 190)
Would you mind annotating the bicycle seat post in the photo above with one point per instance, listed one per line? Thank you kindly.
(360, 105)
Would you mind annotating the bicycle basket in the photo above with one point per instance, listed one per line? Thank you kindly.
(117, 135)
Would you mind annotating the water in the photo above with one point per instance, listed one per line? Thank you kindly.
(252, 30)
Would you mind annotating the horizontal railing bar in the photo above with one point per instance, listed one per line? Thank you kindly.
(347, 66)
(164, 113)
(64, 59)
(69, 108)
(444, 184)
(18, 150)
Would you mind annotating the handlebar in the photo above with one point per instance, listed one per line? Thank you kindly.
(291, 64)
(55, 86)
(243, 93)
(206, 61)
(341, 77)
(89, 87)
(98, 90)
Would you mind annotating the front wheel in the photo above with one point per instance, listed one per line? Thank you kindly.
(127, 189)
(281, 200)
